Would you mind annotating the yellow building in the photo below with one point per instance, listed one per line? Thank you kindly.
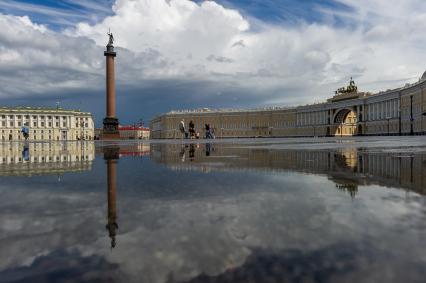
(393, 112)
(45, 124)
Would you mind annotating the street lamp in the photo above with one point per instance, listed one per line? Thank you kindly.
(387, 119)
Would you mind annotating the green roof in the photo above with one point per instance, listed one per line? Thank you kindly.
(24, 109)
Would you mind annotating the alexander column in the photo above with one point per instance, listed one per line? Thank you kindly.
(110, 130)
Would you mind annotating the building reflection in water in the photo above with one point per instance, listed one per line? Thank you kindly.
(29, 158)
(348, 168)
(111, 155)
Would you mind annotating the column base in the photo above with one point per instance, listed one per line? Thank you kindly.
(110, 129)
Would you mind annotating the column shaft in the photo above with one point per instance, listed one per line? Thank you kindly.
(110, 86)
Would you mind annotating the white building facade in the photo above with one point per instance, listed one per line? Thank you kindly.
(44, 124)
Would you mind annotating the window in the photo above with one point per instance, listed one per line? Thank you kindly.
(35, 124)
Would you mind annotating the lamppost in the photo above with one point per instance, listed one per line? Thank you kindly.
(399, 122)
(387, 119)
(411, 116)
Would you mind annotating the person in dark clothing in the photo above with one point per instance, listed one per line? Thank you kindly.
(208, 132)
(191, 129)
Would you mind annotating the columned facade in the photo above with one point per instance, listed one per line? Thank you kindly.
(400, 111)
(44, 124)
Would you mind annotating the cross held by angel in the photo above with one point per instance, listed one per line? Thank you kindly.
(111, 38)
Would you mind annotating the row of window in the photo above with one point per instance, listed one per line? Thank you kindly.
(27, 117)
(41, 124)
(42, 137)
(47, 158)
(312, 118)
(382, 110)
(241, 125)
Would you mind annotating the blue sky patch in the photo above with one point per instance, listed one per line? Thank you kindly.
(61, 14)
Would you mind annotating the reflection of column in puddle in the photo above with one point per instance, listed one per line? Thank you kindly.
(111, 155)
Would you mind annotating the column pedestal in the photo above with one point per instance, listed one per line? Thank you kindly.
(110, 129)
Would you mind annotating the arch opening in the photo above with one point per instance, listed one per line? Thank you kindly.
(345, 122)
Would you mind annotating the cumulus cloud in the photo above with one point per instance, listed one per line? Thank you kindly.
(377, 42)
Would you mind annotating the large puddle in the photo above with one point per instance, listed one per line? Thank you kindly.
(279, 210)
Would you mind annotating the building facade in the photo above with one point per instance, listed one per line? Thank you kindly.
(26, 159)
(393, 112)
(133, 132)
(44, 124)
(127, 133)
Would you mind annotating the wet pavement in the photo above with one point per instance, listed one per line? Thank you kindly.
(267, 210)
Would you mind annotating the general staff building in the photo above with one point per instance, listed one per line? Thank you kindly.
(349, 112)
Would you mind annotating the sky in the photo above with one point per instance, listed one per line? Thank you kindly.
(181, 54)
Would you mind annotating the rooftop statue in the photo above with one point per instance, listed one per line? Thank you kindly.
(351, 88)
(111, 39)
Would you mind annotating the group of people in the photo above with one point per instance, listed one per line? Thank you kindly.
(209, 130)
